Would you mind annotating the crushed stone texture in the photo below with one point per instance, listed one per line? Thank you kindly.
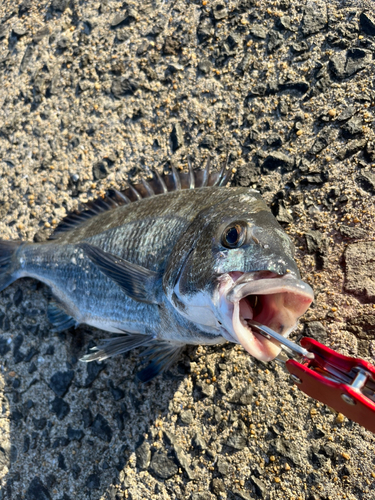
(95, 92)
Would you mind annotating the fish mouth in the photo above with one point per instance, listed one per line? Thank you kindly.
(270, 299)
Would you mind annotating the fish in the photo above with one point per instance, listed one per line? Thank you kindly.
(178, 259)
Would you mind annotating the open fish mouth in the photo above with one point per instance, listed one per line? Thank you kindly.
(270, 299)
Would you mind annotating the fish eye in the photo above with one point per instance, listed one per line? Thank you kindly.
(233, 236)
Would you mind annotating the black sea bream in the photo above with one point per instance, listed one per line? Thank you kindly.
(178, 260)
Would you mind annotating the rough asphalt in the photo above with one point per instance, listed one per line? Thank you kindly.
(95, 92)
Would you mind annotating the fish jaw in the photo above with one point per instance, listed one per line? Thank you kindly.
(272, 300)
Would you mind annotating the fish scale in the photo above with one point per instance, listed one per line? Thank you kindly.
(160, 269)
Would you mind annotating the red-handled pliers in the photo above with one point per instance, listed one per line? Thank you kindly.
(345, 384)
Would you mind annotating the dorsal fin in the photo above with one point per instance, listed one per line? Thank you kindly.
(157, 185)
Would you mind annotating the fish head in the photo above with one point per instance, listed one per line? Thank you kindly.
(241, 266)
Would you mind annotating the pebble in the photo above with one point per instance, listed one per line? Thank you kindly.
(101, 429)
(74, 434)
(315, 17)
(163, 466)
(60, 407)
(367, 22)
(37, 490)
(143, 454)
(93, 482)
(60, 382)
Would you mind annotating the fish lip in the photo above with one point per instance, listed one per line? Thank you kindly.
(246, 286)
(285, 299)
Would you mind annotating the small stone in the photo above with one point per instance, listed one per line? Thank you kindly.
(219, 11)
(287, 449)
(101, 428)
(119, 19)
(74, 434)
(352, 148)
(315, 17)
(100, 170)
(347, 113)
(39, 423)
(19, 31)
(276, 160)
(243, 397)
(223, 466)
(93, 482)
(275, 41)
(60, 382)
(340, 418)
(260, 487)
(61, 462)
(171, 46)
(357, 59)
(177, 137)
(323, 139)
(237, 441)
(143, 454)
(3, 31)
(204, 66)
(352, 232)
(315, 330)
(316, 242)
(87, 418)
(198, 442)
(93, 369)
(37, 490)
(284, 23)
(60, 408)
(40, 34)
(258, 32)
(366, 181)
(76, 471)
(281, 212)
(208, 389)
(162, 466)
(203, 495)
(352, 127)
(186, 417)
(359, 270)
(32, 368)
(59, 5)
(30, 354)
(4, 346)
(116, 392)
(207, 142)
(122, 87)
(367, 23)
(218, 486)
(205, 30)
(274, 141)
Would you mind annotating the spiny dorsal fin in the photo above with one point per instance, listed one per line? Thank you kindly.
(158, 184)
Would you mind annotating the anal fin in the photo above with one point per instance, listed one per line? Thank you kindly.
(160, 355)
(59, 318)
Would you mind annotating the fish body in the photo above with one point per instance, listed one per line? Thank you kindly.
(168, 270)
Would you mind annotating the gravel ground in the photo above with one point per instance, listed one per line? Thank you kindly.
(95, 92)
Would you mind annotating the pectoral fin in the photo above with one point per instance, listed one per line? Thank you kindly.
(137, 282)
